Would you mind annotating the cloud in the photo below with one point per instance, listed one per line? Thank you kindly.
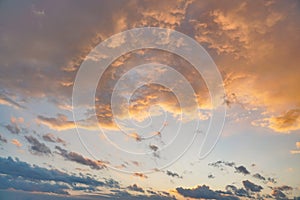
(16, 142)
(61, 123)
(4, 100)
(259, 176)
(37, 147)
(17, 183)
(211, 176)
(279, 195)
(13, 128)
(3, 139)
(22, 176)
(241, 169)
(251, 186)
(298, 149)
(298, 145)
(287, 122)
(173, 174)
(241, 192)
(221, 164)
(51, 138)
(75, 157)
(136, 188)
(141, 175)
(203, 192)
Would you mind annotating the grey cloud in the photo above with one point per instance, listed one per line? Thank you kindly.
(136, 188)
(51, 138)
(75, 157)
(241, 169)
(20, 174)
(173, 174)
(279, 195)
(241, 192)
(37, 147)
(8, 101)
(259, 176)
(3, 139)
(211, 176)
(13, 128)
(7, 182)
(251, 186)
(203, 192)
(221, 164)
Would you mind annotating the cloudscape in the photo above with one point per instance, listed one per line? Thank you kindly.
(130, 99)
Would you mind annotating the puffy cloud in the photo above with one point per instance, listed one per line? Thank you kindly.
(61, 123)
(51, 138)
(3, 139)
(173, 174)
(37, 147)
(203, 192)
(21, 175)
(141, 175)
(241, 192)
(76, 157)
(136, 188)
(4, 100)
(251, 186)
(279, 195)
(287, 122)
(16, 142)
(13, 128)
(259, 176)
(298, 149)
(241, 169)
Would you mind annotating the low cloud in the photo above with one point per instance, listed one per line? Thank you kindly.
(3, 139)
(251, 186)
(76, 157)
(5, 100)
(173, 174)
(51, 138)
(61, 123)
(37, 147)
(242, 170)
(141, 175)
(23, 176)
(204, 192)
(289, 121)
(16, 142)
(136, 188)
(13, 128)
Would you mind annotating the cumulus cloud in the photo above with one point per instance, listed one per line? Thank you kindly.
(36, 147)
(22, 176)
(286, 122)
(51, 138)
(3, 139)
(16, 142)
(76, 157)
(173, 174)
(141, 175)
(251, 186)
(5, 100)
(136, 188)
(259, 176)
(61, 123)
(242, 170)
(203, 192)
(13, 128)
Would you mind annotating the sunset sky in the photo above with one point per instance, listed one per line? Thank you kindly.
(147, 132)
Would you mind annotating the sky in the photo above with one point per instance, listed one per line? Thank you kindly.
(149, 99)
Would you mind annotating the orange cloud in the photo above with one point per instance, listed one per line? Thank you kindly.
(16, 142)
